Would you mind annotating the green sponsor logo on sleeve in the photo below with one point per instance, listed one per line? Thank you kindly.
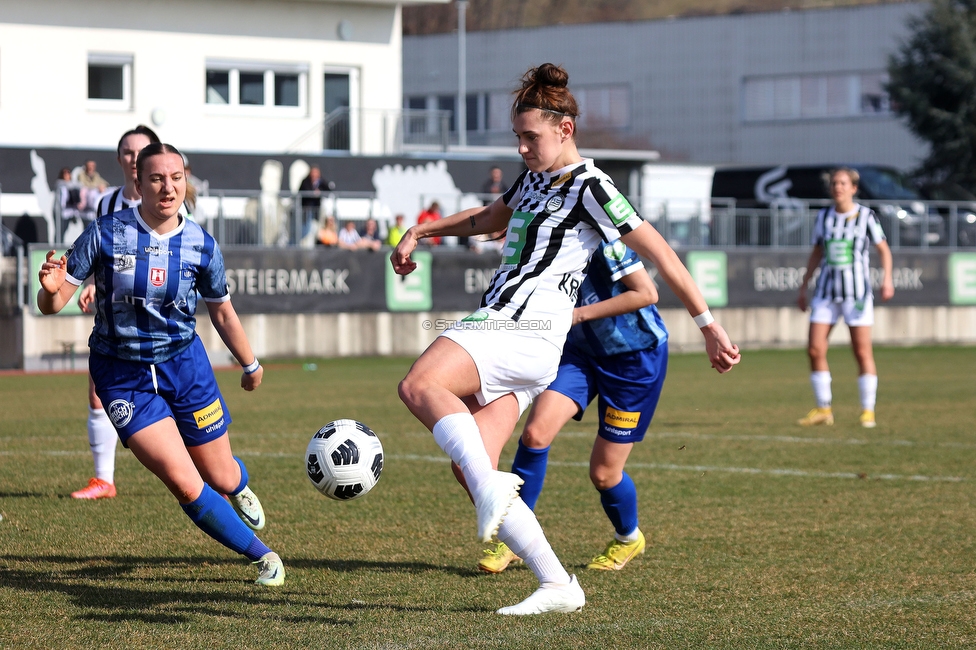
(618, 209)
(411, 292)
(709, 269)
(515, 238)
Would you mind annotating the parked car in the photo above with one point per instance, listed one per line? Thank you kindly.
(778, 196)
(949, 196)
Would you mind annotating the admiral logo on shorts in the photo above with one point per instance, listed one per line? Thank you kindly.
(210, 417)
(621, 419)
(120, 412)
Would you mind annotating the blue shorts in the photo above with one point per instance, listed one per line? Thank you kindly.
(629, 386)
(137, 394)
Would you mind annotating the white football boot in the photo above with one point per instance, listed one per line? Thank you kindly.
(495, 496)
(550, 598)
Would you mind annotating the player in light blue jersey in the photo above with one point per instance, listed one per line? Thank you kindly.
(617, 350)
(149, 367)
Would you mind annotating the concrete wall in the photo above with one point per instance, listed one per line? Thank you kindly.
(405, 334)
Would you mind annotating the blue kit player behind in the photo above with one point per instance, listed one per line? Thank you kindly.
(149, 367)
(617, 350)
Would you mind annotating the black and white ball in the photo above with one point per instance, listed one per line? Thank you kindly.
(344, 460)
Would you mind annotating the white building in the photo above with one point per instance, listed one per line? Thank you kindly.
(224, 75)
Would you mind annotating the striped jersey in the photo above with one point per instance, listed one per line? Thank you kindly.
(844, 269)
(559, 219)
(146, 284)
(114, 201)
(637, 330)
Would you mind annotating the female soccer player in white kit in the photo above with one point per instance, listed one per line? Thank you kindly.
(471, 385)
(841, 237)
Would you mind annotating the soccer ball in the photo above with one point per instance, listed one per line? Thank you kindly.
(344, 460)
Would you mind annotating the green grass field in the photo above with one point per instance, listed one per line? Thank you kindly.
(761, 534)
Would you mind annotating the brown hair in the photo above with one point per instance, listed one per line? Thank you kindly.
(153, 149)
(851, 174)
(546, 88)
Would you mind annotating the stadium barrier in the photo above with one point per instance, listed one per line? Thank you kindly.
(329, 302)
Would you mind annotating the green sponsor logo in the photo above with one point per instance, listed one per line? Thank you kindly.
(476, 317)
(411, 292)
(615, 251)
(840, 252)
(37, 257)
(618, 209)
(962, 279)
(709, 270)
(515, 239)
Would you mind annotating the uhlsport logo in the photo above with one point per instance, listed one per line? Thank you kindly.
(208, 415)
(120, 412)
(622, 419)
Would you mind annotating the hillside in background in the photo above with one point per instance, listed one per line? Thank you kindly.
(508, 14)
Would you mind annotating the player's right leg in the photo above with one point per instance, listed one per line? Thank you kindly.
(160, 448)
(822, 319)
(102, 440)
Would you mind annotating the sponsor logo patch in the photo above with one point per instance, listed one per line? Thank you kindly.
(209, 414)
(622, 419)
(618, 209)
(615, 251)
(157, 277)
(120, 412)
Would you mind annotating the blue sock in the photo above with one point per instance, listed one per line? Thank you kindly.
(244, 476)
(620, 504)
(214, 516)
(530, 465)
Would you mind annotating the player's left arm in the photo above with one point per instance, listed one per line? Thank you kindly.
(647, 241)
(640, 293)
(888, 282)
(56, 291)
(231, 332)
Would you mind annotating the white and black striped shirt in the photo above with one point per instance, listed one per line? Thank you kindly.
(114, 201)
(559, 219)
(845, 239)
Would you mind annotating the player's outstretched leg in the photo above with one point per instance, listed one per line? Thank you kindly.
(214, 516)
(246, 503)
(558, 591)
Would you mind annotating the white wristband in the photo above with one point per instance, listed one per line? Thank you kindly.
(252, 367)
(704, 319)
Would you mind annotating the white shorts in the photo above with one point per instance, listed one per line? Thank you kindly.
(509, 362)
(828, 312)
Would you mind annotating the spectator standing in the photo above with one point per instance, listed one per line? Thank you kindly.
(92, 183)
(433, 213)
(311, 190)
(395, 232)
(349, 238)
(494, 186)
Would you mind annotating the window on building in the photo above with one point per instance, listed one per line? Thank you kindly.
(110, 81)
(448, 103)
(826, 96)
(603, 107)
(275, 87)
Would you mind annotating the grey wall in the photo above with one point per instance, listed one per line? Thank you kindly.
(686, 76)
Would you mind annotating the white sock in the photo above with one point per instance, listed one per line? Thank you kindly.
(458, 435)
(632, 536)
(522, 533)
(868, 385)
(820, 380)
(102, 438)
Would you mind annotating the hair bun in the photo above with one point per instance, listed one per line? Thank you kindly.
(549, 74)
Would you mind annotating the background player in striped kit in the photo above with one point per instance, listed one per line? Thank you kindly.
(148, 364)
(617, 350)
(102, 437)
(841, 237)
(471, 385)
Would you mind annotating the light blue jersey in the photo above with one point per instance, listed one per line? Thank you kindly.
(146, 284)
(630, 332)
